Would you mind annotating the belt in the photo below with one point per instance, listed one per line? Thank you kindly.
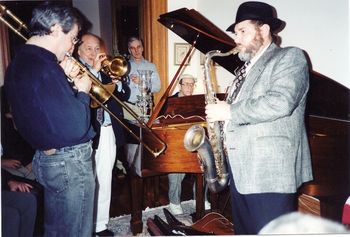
(106, 125)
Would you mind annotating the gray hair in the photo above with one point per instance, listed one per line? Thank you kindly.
(47, 14)
(301, 223)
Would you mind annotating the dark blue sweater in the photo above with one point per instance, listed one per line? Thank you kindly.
(47, 112)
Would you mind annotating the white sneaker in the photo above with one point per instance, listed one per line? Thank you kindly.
(176, 209)
(207, 205)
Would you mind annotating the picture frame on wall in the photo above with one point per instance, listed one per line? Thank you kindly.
(180, 51)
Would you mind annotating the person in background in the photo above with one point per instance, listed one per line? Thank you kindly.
(138, 62)
(299, 223)
(187, 84)
(18, 207)
(264, 131)
(55, 119)
(17, 153)
(110, 133)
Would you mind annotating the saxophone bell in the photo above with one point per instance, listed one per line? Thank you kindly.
(195, 140)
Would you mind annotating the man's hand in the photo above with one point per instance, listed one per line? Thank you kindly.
(71, 69)
(29, 167)
(10, 163)
(218, 112)
(19, 186)
(135, 78)
(97, 63)
(83, 83)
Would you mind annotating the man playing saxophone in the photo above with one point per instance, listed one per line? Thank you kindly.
(54, 119)
(265, 135)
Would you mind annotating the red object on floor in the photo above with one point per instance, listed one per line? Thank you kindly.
(346, 213)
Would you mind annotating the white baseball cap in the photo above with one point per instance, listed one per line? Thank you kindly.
(187, 76)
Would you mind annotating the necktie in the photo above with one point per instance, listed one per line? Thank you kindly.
(99, 115)
(237, 83)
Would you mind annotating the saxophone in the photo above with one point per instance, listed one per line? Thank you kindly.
(211, 151)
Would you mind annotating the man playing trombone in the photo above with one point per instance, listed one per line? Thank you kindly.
(54, 119)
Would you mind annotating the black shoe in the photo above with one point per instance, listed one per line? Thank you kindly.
(118, 173)
(105, 232)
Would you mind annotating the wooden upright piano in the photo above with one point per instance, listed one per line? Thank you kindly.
(327, 121)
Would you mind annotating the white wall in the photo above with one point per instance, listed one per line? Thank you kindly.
(173, 38)
(319, 27)
(91, 10)
(99, 14)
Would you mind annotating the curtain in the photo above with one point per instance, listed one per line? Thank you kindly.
(4, 52)
(155, 39)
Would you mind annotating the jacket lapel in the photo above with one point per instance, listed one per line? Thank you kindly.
(256, 71)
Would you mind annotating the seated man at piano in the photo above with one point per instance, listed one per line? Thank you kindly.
(186, 84)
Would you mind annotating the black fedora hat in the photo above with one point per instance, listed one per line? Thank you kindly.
(257, 11)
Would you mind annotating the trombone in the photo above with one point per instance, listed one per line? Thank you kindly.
(99, 93)
(22, 28)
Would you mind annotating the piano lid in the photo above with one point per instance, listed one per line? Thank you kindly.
(191, 26)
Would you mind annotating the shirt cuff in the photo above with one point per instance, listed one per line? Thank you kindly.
(119, 86)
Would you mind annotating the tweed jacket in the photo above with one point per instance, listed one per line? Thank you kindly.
(266, 138)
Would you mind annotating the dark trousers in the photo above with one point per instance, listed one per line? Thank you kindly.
(18, 214)
(251, 212)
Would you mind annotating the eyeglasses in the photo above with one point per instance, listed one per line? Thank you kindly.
(75, 40)
(188, 84)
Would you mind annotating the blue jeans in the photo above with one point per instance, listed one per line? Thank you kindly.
(69, 185)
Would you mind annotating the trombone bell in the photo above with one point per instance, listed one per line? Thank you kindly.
(117, 66)
(101, 94)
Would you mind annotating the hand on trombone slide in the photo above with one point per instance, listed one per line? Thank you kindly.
(81, 81)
